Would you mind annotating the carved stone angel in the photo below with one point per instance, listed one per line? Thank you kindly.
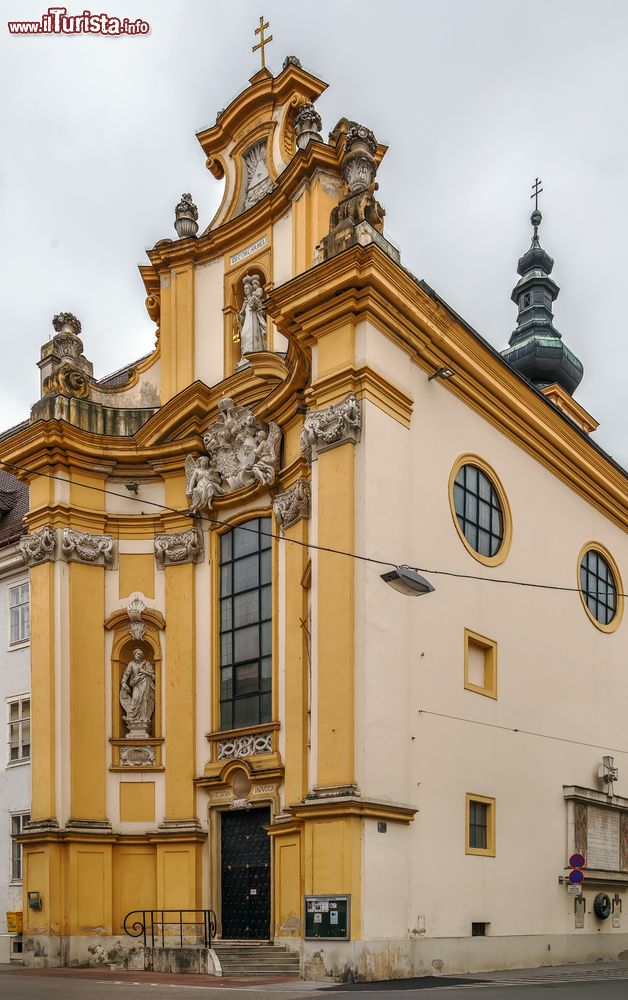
(266, 451)
(202, 483)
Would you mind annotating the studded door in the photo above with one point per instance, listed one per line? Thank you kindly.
(245, 872)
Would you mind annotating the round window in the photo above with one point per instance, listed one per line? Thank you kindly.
(598, 588)
(481, 512)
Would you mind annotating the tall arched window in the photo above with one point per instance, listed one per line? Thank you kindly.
(246, 625)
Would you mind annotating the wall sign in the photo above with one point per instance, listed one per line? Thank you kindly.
(327, 917)
(243, 254)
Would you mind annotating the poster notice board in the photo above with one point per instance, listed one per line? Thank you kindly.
(15, 921)
(327, 917)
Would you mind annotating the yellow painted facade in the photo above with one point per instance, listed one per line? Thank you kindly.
(125, 821)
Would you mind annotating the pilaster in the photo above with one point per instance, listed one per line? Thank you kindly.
(177, 329)
(180, 698)
(87, 692)
(43, 698)
(296, 659)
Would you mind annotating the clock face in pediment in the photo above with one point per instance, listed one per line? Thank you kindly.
(257, 181)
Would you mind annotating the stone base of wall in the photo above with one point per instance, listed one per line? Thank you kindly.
(202, 961)
(367, 961)
(119, 952)
(343, 961)
(115, 952)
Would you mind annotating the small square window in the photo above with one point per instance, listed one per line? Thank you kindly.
(480, 825)
(480, 664)
(478, 928)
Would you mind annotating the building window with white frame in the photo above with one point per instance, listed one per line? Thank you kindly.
(19, 614)
(19, 730)
(18, 822)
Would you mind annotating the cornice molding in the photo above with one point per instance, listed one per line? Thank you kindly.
(366, 383)
(350, 806)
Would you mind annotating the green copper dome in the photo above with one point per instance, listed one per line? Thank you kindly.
(536, 348)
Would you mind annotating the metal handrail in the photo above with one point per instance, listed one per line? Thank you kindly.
(148, 927)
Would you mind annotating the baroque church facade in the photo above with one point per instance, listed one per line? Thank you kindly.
(230, 708)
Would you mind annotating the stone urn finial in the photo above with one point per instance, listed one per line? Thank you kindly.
(359, 165)
(307, 125)
(185, 218)
(66, 341)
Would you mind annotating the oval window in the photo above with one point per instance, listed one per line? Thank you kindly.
(598, 582)
(480, 510)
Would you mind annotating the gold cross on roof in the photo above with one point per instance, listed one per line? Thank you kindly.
(263, 41)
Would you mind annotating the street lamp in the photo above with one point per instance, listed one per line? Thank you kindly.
(407, 581)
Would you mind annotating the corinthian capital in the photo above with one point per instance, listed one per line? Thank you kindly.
(294, 504)
(178, 547)
(81, 546)
(330, 427)
(39, 547)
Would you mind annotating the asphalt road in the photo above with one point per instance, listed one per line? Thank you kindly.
(608, 982)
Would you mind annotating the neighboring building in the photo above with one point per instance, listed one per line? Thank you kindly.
(230, 711)
(15, 787)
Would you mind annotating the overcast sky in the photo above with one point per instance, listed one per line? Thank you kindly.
(475, 99)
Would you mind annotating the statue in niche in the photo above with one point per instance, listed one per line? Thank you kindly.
(252, 317)
(137, 695)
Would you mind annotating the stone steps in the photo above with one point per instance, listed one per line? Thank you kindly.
(256, 958)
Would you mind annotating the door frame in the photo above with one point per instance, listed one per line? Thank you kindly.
(266, 800)
(252, 808)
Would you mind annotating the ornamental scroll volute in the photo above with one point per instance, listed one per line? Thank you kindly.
(242, 452)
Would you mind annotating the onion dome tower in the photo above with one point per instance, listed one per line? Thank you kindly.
(536, 347)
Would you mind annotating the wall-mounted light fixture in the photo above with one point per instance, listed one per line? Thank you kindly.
(443, 373)
(407, 581)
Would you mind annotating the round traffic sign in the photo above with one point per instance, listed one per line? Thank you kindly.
(576, 877)
(577, 860)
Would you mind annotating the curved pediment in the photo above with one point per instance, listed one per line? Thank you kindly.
(253, 140)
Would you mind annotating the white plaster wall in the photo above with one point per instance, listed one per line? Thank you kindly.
(15, 778)
(386, 875)
(209, 351)
(557, 674)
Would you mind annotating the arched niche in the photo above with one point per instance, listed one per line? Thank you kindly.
(122, 653)
(234, 299)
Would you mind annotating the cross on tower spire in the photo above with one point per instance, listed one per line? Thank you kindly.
(536, 190)
(263, 41)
